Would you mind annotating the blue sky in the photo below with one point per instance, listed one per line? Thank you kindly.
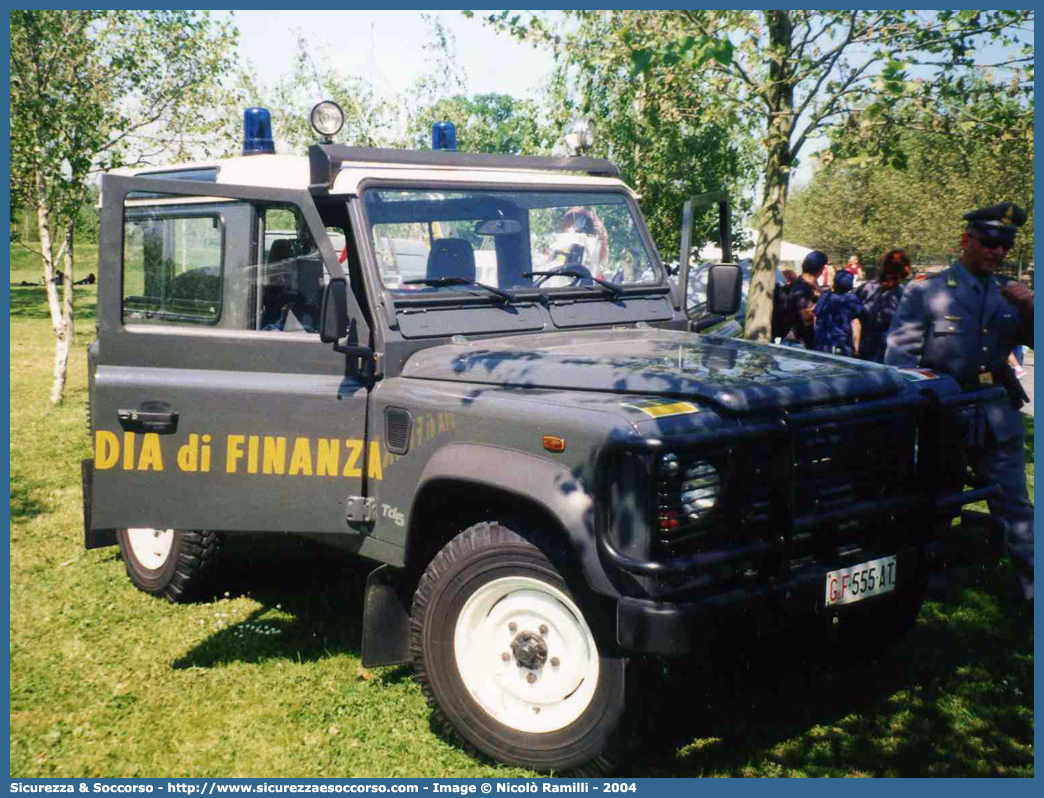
(388, 46)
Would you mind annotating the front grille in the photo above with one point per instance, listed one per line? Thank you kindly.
(839, 464)
(814, 470)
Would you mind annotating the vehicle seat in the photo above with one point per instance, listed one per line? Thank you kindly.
(300, 311)
(282, 249)
(451, 257)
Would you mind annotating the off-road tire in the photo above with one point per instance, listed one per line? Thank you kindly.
(181, 573)
(468, 572)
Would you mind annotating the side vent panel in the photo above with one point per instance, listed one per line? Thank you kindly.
(398, 426)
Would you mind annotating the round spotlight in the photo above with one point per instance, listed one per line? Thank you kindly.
(580, 136)
(327, 118)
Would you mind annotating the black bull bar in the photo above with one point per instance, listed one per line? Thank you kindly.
(937, 499)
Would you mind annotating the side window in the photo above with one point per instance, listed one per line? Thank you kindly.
(173, 265)
(227, 264)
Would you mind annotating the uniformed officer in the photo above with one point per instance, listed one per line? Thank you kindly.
(964, 322)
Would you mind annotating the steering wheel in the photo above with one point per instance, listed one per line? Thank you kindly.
(567, 266)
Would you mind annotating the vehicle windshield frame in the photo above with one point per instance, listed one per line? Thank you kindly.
(526, 293)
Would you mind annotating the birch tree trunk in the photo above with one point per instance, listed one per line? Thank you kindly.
(43, 218)
(61, 309)
(63, 334)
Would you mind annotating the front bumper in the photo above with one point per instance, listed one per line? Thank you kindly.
(683, 627)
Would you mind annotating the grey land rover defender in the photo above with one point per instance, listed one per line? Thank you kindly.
(493, 392)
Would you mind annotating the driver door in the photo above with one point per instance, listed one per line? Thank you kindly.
(213, 403)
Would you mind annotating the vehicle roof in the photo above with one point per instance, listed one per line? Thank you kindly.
(292, 172)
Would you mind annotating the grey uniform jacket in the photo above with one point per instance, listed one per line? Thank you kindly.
(943, 323)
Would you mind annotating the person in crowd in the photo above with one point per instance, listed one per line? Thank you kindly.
(880, 298)
(780, 294)
(801, 300)
(582, 242)
(837, 327)
(855, 268)
(581, 225)
(826, 277)
(964, 322)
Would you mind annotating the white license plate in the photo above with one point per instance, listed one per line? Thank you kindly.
(863, 581)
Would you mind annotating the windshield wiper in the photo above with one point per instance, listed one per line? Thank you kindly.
(441, 281)
(612, 288)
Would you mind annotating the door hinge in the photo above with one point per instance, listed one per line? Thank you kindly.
(360, 511)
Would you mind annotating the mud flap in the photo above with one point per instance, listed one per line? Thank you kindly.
(386, 620)
(92, 538)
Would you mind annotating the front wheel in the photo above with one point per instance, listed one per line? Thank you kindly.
(168, 562)
(508, 659)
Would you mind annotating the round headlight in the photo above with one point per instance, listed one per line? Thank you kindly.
(700, 490)
(327, 118)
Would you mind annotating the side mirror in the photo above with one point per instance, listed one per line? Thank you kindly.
(724, 289)
(333, 317)
(334, 324)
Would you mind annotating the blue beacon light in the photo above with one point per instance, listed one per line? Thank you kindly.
(443, 136)
(257, 132)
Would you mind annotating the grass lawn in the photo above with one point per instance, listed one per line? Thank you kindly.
(264, 677)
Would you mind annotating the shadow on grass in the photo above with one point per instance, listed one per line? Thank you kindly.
(30, 302)
(321, 589)
(24, 504)
(954, 698)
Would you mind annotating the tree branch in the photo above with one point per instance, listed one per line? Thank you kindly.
(28, 248)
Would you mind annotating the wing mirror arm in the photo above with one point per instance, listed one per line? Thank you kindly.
(334, 324)
(702, 324)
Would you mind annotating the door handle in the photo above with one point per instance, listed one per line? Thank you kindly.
(150, 417)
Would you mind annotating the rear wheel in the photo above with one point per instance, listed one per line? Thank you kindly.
(508, 659)
(168, 562)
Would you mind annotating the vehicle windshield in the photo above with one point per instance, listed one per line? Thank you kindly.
(500, 238)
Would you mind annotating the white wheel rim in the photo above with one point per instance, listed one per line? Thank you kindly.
(151, 547)
(529, 699)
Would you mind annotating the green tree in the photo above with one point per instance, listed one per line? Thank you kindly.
(96, 90)
(655, 128)
(496, 123)
(794, 74)
(802, 72)
(858, 204)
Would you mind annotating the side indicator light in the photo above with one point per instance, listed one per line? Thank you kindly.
(553, 443)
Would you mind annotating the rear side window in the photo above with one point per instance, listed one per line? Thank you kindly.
(173, 266)
(233, 265)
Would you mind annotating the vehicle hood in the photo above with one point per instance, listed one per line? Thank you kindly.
(732, 374)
